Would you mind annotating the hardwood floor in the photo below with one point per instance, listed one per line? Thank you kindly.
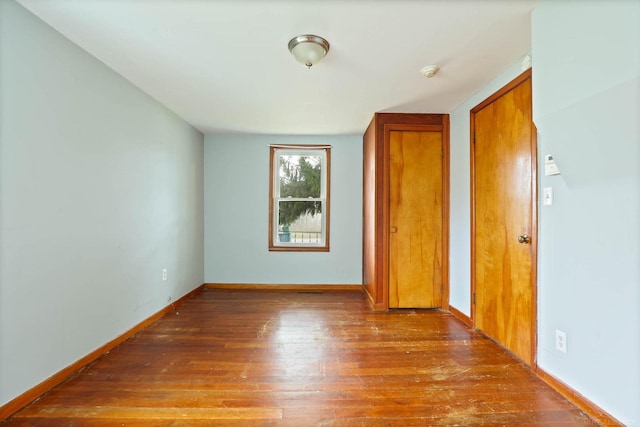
(282, 358)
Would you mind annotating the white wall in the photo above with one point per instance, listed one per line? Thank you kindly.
(101, 189)
(237, 214)
(586, 97)
(460, 184)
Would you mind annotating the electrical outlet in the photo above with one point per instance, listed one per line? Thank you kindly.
(164, 274)
(561, 341)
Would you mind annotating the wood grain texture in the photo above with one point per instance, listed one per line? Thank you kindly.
(446, 215)
(376, 199)
(590, 408)
(19, 402)
(503, 195)
(415, 218)
(461, 316)
(369, 235)
(282, 358)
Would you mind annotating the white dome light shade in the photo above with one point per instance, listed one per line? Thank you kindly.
(308, 49)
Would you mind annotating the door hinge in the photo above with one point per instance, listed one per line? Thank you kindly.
(474, 298)
(474, 138)
(442, 153)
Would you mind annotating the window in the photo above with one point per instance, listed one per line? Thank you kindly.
(299, 198)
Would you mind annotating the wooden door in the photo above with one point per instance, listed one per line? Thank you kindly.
(503, 224)
(415, 219)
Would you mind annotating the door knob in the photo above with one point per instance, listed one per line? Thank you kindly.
(525, 238)
(394, 229)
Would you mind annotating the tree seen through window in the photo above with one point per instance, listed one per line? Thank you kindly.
(299, 178)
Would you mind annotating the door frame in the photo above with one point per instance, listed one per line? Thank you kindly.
(444, 130)
(526, 75)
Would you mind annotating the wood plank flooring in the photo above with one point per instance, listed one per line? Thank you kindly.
(283, 358)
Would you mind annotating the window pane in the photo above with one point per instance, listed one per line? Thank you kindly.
(300, 176)
(300, 222)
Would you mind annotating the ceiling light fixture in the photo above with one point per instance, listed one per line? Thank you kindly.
(308, 49)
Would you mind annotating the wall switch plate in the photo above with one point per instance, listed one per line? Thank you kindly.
(548, 196)
(561, 341)
(164, 274)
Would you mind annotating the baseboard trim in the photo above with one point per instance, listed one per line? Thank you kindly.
(283, 287)
(591, 409)
(35, 392)
(461, 316)
(587, 406)
(21, 401)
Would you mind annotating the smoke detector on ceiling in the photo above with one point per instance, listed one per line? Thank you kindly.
(430, 70)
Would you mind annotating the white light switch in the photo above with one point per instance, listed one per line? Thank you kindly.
(547, 196)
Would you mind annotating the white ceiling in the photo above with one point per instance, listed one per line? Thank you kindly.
(223, 65)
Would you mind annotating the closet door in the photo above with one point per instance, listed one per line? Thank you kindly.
(504, 249)
(415, 219)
